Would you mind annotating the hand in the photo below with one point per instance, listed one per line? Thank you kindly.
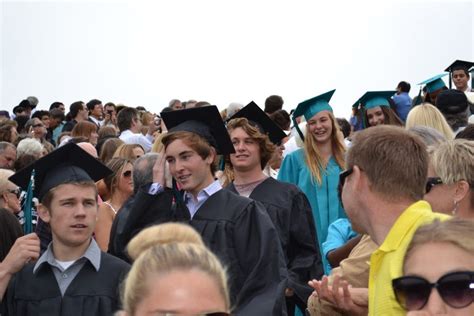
(159, 169)
(25, 249)
(152, 127)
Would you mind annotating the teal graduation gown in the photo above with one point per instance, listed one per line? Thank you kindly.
(323, 198)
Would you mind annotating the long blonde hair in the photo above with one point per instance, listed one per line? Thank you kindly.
(313, 158)
(164, 248)
(428, 115)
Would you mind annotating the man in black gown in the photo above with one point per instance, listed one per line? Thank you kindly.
(238, 230)
(254, 136)
(73, 277)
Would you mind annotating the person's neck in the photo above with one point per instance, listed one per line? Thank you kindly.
(382, 216)
(65, 253)
(248, 176)
(79, 119)
(465, 211)
(325, 149)
(194, 192)
(118, 198)
(95, 117)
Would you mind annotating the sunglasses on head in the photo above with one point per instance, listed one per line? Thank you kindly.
(342, 179)
(456, 290)
(431, 182)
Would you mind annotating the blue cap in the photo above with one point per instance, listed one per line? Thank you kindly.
(434, 83)
(372, 99)
(313, 106)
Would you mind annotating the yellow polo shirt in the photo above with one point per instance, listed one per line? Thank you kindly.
(386, 263)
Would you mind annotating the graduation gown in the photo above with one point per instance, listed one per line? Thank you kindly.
(291, 214)
(239, 232)
(323, 197)
(90, 293)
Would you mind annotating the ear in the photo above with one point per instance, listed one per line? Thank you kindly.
(43, 213)
(212, 156)
(462, 189)
(358, 179)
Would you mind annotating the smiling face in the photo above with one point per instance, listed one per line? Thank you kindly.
(321, 127)
(191, 171)
(125, 181)
(72, 214)
(247, 151)
(188, 292)
(460, 79)
(375, 116)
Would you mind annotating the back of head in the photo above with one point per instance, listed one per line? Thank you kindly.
(233, 108)
(428, 115)
(273, 103)
(429, 135)
(452, 102)
(92, 103)
(394, 160)
(29, 146)
(404, 86)
(108, 148)
(142, 170)
(57, 114)
(456, 231)
(467, 133)
(164, 248)
(39, 114)
(55, 105)
(282, 119)
(84, 129)
(345, 126)
(454, 161)
(33, 101)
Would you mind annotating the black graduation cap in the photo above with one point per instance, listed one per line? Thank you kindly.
(254, 114)
(67, 164)
(204, 121)
(460, 64)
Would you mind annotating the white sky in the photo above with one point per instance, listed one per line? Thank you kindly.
(148, 52)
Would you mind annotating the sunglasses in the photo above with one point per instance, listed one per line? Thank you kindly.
(431, 182)
(38, 125)
(342, 179)
(456, 290)
(16, 191)
(127, 174)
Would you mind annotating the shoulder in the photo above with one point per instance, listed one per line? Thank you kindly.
(113, 264)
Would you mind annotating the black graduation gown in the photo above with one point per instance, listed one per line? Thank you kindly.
(239, 232)
(90, 293)
(116, 241)
(290, 212)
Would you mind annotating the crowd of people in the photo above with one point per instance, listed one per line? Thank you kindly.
(111, 209)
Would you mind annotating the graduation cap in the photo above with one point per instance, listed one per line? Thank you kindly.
(458, 65)
(204, 121)
(254, 114)
(434, 83)
(66, 164)
(372, 99)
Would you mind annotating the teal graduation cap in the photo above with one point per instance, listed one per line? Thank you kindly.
(372, 99)
(311, 107)
(434, 83)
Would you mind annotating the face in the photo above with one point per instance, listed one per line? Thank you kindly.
(84, 113)
(137, 124)
(177, 106)
(138, 152)
(441, 196)
(98, 111)
(247, 151)
(38, 128)
(460, 79)
(183, 293)
(375, 116)
(11, 196)
(7, 158)
(191, 172)
(72, 214)
(45, 120)
(320, 126)
(433, 260)
(125, 182)
(93, 138)
(109, 109)
(62, 108)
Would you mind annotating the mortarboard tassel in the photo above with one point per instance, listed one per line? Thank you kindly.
(297, 128)
(28, 225)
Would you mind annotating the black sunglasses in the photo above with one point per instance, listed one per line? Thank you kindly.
(16, 191)
(456, 289)
(431, 182)
(342, 179)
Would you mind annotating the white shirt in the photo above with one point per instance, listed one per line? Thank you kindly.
(129, 137)
(193, 205)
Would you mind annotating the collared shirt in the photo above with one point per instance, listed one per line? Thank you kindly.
(129, 137)
(386, 263)
(194, 204)
(403, 104)
(97, 122)
(64, 277)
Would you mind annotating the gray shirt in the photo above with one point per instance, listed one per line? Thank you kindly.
(64, 277)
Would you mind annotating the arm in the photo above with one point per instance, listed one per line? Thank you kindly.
(335, 256)
(24, 249)
(103, 226)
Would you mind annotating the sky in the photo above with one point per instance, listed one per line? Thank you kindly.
(145, 53)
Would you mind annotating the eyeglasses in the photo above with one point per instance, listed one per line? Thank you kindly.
(431, 182)
(38, 125)
(16, 191)
(456, 290)
(342, 179)
(127, 174)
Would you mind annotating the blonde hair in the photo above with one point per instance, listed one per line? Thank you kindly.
(455, 231)
(126, 151)
(4, 182)
(164, 248)
(428, 115)
(313, 158)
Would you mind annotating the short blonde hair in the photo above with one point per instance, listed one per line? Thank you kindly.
(428, 115)
(164, 248)
(455, 231)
